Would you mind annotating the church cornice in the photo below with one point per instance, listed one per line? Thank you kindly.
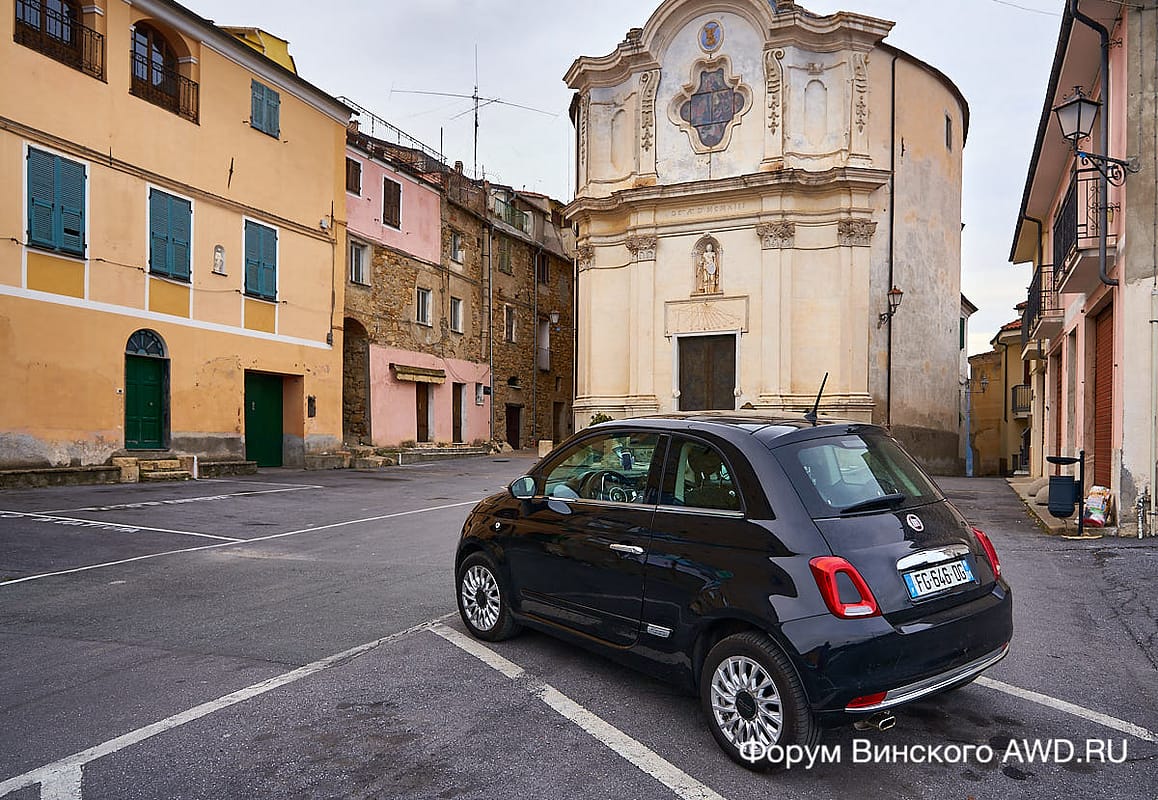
(723, 189)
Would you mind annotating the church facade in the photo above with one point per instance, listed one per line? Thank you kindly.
(751, 183)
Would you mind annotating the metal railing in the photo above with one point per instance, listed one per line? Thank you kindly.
(165, 87)
(1042, 299)
(1077, 222)
(60, 37)
(519, 220)
(1022, 398)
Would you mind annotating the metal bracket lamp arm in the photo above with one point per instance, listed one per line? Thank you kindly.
(1112, 169)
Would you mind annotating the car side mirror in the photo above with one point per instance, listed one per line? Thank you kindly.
(522, 488)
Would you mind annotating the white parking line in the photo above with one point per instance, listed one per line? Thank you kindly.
(61, 779)
(115, 527)
(232, 543)
(178, 501)
(1070, 708)
(633, 751)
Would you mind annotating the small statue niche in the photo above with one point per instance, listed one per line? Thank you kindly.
(708, 262)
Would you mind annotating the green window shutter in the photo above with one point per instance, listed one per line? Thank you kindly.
(268, 280)
(180, 233)
(257, 106)
(70, 193)
(159, 261)
(41, 197)
(272, 112)
(252, 257)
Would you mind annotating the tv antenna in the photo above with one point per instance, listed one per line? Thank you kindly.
(478, 102)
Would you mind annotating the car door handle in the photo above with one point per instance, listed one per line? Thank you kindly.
(627, 548)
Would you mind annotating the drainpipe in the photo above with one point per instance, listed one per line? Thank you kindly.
(1040, 352)
(892, 240)
(1153, 404)
(491, 317)
(535, 354)
(1104, 133)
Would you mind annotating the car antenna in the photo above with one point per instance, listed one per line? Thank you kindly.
(811, 415)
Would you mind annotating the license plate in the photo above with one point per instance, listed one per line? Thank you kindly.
(931, 580)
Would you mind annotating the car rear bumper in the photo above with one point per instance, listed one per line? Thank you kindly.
(842, 660)
(928, 686)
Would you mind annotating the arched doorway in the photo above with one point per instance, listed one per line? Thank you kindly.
(146, 392)
(355, 383)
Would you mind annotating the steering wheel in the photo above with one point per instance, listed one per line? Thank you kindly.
(594, 486)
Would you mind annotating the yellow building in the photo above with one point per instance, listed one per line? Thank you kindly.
(170, 210)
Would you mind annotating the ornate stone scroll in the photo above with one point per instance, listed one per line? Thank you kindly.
(585, 254)
(860, 87)
(774, 79)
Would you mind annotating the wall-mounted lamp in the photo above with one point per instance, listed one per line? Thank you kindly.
(977, 388)
(1075, 116)
(554, 317)
(895, 296)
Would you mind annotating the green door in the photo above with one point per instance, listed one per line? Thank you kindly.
(144, 403)
(263, 429)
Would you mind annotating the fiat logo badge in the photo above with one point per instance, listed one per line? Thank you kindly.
(915, 523)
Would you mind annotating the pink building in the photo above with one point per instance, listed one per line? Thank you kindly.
(1087, 224)
(414, 368)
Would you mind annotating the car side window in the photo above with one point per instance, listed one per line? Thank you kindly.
(612, 467)
(697, 476)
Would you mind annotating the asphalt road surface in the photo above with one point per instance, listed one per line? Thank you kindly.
(294, 635)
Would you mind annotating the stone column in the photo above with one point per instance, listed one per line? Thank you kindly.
(776, 242)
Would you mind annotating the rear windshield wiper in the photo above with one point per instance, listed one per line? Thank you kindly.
(884, 501)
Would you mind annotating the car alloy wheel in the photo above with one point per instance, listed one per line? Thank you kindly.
(483, 600)
(480, 597)
(746, 703)
(754, 702)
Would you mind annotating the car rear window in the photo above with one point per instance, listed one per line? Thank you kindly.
(855, 473)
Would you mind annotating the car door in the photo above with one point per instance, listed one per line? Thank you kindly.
(706, 555)
(577, 560)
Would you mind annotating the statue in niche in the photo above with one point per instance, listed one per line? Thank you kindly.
(707, 268)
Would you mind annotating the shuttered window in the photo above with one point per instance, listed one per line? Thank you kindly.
(265, 109)
(391, 203)
(170, 231)
(56, 189)
(1103, 396)
(260, 261)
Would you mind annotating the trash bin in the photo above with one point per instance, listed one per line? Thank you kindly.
(1063, 496)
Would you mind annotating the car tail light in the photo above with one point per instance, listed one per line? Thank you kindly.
(990, 552)
(826, 569)
(866, 701)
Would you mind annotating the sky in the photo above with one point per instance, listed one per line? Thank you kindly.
(997, 52)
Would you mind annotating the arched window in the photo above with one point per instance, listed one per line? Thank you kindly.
(146, 392)
(145, 343)
(154, 62)
(156, 76)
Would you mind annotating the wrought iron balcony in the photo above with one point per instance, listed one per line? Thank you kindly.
(1075, 232)
(165, 87)
(512, 216)
(60, 37)
(1021, 400)
(1043, 314)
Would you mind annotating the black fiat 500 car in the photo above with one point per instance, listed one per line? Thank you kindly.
(797, 575)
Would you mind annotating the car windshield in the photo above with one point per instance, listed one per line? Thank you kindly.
(854, 473)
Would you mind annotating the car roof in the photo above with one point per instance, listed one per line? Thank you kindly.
(763, 426)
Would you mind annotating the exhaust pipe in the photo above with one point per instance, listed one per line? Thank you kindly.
(880, 721)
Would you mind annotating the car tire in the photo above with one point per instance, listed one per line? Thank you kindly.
(753, 700)
(484, 600)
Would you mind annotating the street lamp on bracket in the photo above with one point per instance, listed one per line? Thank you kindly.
(895, 296)
(1075, 116)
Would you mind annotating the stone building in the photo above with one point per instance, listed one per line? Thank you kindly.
(413, 363)
(532, 301)
(451, 280)
(751, 183)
